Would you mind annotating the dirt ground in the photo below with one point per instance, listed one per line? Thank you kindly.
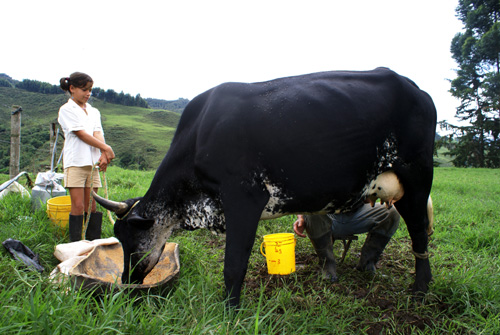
(381, 297)
(384, 295)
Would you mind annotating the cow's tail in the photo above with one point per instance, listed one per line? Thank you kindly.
(430, 216)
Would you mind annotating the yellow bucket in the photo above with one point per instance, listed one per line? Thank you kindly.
(279, 253)
(58, 210)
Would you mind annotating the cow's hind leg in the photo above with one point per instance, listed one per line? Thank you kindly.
(414, 212)
(242, 211)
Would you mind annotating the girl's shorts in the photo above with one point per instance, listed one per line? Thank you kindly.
(79, 176)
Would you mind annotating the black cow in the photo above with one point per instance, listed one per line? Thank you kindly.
(305, 144)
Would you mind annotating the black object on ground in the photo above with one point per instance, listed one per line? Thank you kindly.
(22, 253)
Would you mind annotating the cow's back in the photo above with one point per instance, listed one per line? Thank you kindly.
(309, 135)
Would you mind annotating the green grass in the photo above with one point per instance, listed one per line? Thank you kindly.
(464, 297)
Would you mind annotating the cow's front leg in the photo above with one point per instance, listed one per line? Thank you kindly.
(242, 213)
(239, 243)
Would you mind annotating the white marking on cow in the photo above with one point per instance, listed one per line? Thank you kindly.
(277, 198)
(387, 154)
(200, 213)
(203, 213)
(334, 207)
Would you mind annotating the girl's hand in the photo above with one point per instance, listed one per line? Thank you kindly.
(109, 153)
(103, 162)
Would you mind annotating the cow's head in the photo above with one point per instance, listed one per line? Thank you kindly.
(142, 240)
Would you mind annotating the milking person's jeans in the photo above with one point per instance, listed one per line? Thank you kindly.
(378, 219)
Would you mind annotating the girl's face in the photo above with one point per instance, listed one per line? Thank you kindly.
(81, 95)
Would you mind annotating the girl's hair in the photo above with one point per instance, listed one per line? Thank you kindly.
(77, 79)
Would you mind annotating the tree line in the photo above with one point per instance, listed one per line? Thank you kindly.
(476, 50)
(45, 88)
(119, 98)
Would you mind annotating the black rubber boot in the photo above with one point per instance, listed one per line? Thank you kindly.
(371, 251)
(75, 227)
(94, 227)
(324, 249)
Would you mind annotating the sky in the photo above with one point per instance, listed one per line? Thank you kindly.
(168, 49)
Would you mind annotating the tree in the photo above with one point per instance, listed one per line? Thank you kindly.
(38, 87)
(5, 83)
(477, 86)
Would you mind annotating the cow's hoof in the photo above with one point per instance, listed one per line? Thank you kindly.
(368, 267)
(420, 288)
(330, 276)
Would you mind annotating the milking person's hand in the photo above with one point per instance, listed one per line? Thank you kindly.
(299, 226)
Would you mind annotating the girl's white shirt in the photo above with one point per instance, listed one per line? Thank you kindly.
(73, 118)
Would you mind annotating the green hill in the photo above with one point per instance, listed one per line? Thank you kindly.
(171, 105)
(139, 136)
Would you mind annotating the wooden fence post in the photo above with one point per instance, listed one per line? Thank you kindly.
(15, 140)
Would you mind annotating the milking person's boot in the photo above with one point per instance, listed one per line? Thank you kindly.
(75, 227)
(319, 230)
(324, 249)
(372, 249)
(94, 227)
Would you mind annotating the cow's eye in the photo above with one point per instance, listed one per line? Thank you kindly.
(139, 222)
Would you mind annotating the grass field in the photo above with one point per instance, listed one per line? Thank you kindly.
(464, 297)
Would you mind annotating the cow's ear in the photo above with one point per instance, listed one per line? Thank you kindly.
(139, 222)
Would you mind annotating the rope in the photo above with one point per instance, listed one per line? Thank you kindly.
(130, 210)
(107, 197)
(424, 255)
(86, 222)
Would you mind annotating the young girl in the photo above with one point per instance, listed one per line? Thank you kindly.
(84, 147)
